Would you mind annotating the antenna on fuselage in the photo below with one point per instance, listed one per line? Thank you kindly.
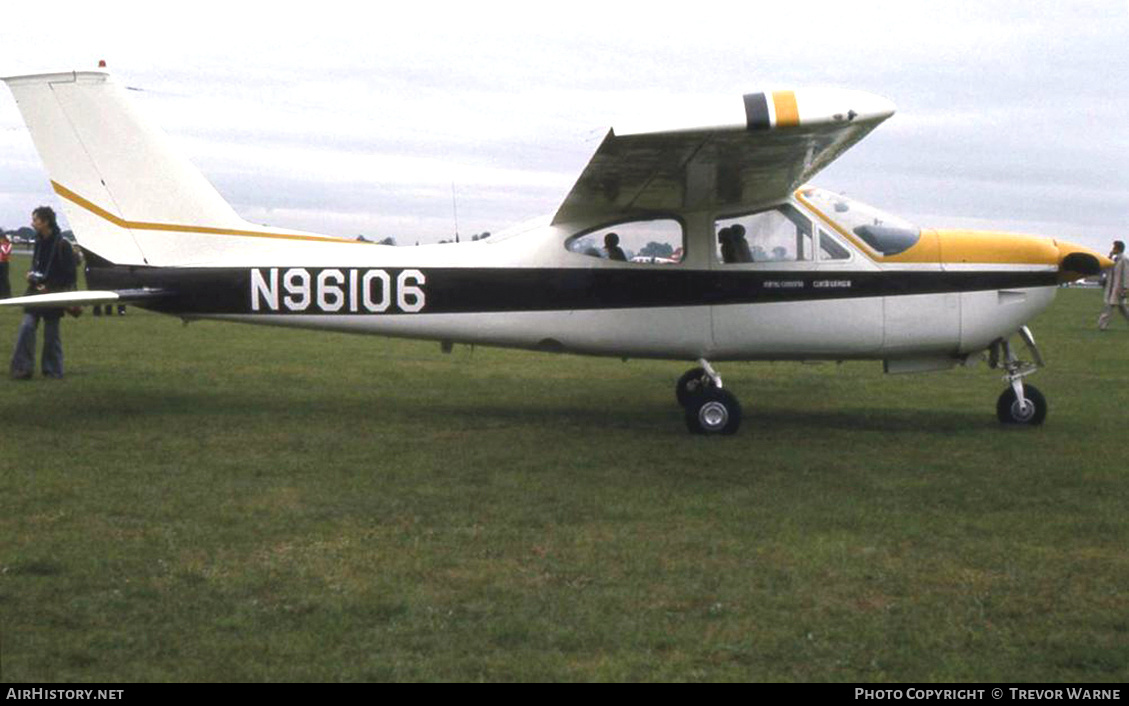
(455, 206)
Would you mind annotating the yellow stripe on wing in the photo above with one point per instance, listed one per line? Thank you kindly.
(787, 113)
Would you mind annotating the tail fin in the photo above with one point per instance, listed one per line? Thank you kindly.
(129, 195)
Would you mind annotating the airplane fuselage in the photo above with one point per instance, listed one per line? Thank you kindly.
(487, 293)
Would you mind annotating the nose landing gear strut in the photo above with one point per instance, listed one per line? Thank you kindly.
(1020, 403)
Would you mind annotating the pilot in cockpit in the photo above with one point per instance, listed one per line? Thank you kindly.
(734, 247)
(611, 245)
(740, 245)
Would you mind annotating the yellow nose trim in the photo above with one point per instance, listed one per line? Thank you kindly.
(1065, 249)
(995, 248)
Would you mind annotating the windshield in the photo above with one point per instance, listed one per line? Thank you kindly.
(887, 234)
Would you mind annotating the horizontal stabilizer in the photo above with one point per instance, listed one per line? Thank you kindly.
(83, 297)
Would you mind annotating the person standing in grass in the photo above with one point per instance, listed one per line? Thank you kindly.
(1116, 286)
(5, 258)
(52, 270)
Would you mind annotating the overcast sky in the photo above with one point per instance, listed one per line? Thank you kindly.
(348, 119)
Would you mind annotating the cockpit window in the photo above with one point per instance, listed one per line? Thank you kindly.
(651, 242)
(888, 240)
(886, 234)
(830, 248)
(781, 234)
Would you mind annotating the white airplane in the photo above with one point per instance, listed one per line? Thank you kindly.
(769, 269)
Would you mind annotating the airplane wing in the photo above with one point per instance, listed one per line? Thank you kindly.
(754, 154)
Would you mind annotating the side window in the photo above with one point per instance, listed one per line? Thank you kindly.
(830, 248)
(781, 234)
(655, 242)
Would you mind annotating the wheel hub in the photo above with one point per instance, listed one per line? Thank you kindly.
(714, 415)
(1022, 411)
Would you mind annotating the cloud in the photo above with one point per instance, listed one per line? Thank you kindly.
(344, 116)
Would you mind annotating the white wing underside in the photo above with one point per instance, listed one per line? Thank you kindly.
(734, 165)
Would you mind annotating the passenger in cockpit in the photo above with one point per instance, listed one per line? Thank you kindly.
(611, 244)
(725, 238)
(740, 245)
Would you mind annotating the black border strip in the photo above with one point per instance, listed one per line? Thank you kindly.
(756, 111)
(483, 290)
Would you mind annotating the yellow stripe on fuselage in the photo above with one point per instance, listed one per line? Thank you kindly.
(172, 228)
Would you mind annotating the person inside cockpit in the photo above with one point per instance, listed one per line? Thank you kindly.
(725, 239)
(611, 244)
(740, 245)
(734, 247)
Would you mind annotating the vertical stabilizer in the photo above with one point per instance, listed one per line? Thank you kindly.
(129, 195)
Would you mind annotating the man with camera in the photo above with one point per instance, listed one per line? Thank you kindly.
(52, 270)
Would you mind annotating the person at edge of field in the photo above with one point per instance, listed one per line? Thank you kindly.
(1116, 286)
(52, 270)
(5, 258)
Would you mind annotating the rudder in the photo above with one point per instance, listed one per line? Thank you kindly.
(126, 190)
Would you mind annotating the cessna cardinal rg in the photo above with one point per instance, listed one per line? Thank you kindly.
(735, 258)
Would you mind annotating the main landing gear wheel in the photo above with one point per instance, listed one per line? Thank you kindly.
(692, 383)
(709, 408)
(1032, 412)
(713, 411)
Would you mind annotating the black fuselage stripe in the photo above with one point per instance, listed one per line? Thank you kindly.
(485, 290)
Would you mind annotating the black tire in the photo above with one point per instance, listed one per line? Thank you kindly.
(713, 411)
(1009, 412)
(692, 383)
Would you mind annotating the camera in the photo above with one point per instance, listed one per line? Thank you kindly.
(36, 277)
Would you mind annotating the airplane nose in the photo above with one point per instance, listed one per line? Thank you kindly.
(983, 247)
(1076, 261)
(965, 247)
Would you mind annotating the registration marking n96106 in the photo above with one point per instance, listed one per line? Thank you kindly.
(337, 290)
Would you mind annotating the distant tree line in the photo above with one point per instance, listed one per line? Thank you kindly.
(588, 246)
(392, 241)
(477, 236)
(386, 241)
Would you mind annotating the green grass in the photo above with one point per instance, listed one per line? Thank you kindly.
(216, 502)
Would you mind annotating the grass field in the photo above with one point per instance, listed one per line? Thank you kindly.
(217, 502)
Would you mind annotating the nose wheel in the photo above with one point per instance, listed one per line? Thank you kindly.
(1032, 409)
(710, 409)
(1020, 403)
